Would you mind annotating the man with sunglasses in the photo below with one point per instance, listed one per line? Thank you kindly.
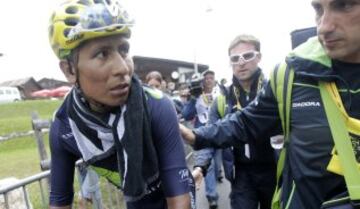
(250, 168)
(321, 90)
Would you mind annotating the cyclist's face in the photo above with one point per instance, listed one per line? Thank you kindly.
(105, 69)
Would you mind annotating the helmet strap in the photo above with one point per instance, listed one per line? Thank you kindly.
(94, 105)
(71, 70)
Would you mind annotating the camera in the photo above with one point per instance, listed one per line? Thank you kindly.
(196, 85)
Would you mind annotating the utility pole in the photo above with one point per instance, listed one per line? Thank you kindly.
(208, 9)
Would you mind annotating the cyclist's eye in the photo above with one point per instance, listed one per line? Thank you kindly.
(102, 54)
(124, 49)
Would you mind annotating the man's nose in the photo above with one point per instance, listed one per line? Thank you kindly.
(242, 62)
(120, 65)
(326, 23)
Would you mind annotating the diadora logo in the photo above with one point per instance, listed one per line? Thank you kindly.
(306, 104)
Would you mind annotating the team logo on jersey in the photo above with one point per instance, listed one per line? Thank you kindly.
(306, 104)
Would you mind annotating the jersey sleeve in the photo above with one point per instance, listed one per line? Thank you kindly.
(62, 168)
(174, 174)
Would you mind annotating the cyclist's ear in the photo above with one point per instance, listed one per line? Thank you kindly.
(68, 71)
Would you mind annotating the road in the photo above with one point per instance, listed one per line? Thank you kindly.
(222, 188)
(223, 191)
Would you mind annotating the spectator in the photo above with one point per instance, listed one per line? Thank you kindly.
(170, 88)
(154, 79)
(163, 86)
(197, 109)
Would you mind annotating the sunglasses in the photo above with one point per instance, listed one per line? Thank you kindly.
(243, 58)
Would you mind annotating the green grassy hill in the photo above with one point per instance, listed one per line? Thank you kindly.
(16, 116)
(19, 156)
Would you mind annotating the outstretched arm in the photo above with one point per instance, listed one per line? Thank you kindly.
(259, 119)
(187, 134)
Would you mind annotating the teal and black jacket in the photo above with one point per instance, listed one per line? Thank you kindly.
(306, 182)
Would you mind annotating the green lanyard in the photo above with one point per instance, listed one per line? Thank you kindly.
(341, 139)
(237, 91)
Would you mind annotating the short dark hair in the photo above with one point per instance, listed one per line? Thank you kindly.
(208, 72)
(154, 75)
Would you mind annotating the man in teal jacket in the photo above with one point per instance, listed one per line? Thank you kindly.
(334, 58)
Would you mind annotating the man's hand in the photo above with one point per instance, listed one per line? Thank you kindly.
(187, 134)
(198, 177)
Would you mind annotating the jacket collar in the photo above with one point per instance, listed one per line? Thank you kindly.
(310, 59)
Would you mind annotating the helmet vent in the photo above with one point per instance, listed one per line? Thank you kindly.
(66, 32)
(71, 21)
(71, 10)
(84, 2)
(52, 16)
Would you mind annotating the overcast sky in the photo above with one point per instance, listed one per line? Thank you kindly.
(186, 30)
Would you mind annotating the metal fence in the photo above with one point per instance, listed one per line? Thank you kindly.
(111, 196)
(23, 185)
(38, 198)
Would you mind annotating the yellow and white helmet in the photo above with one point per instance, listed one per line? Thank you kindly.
(75, 21)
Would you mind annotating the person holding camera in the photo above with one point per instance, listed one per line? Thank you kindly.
(196, 109)
(201, 98)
